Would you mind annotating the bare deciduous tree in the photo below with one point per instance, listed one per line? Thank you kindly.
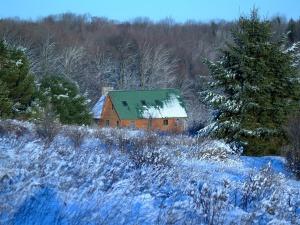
(47, 58)
(72, 58)
(164, 67)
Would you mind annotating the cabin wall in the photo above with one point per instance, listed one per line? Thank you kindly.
(108, 114)
(174, 125)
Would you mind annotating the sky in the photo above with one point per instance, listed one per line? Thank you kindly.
(127, 10)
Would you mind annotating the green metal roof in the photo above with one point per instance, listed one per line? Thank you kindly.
(139, 104)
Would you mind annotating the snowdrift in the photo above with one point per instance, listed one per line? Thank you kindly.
(115, 176)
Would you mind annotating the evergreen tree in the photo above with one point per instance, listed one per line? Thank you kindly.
(292, 31)
(65, 99)
(256, 87)
(5, 102)
(14, 73)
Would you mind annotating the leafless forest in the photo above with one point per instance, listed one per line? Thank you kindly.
(139, 54)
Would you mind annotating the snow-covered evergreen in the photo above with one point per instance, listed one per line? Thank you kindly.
(255, 87)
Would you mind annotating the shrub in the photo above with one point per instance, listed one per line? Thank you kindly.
(149, 139)
(210, 203)
(292, 152)
(266, 196)
(76, 134)
(144, 150)
(213, 150)
(8, 127)
(259, 185)
(158, 157)
(119, 138)
(104, 138)
(48, 125)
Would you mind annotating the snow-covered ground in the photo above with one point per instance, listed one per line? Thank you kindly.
(107, 176)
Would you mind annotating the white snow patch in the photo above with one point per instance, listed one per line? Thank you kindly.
(171, 108)
(207, 130)
(97, 109)
(19, 62)
(62, 96)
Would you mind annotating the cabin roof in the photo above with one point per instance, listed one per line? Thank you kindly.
(146, 104)
(97, 109)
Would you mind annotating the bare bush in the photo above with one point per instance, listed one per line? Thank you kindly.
(9, 127)
(48, 125)
(292, 152)
(158, 157)
(212, 150)
(259, 185)
(149, 139)
(145, 151)
(265, 195)
(76, 134)
(104, 138)
(210, 203)
(119, 138)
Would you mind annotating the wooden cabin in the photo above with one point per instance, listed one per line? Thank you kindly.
(161, 109)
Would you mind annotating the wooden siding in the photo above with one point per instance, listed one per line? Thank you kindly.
(109, 114)
(174, 125)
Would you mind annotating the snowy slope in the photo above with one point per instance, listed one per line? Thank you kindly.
(131, 177)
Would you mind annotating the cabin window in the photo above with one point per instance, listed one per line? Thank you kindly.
(165, 122)
(143, 102)
(124, 103)
(157, 102)
(107, 123)
(118, 123)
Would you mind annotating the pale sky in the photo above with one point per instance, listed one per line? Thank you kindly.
(126, 10)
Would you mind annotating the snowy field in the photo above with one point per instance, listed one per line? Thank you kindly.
(107, 176)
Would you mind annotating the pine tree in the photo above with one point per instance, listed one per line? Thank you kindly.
(255, 87)
(14, 72)
(291, 28)
(5, 102)
(63, 95)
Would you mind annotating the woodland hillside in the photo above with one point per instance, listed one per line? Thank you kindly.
(96, 52)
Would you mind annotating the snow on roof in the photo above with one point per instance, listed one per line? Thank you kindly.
(171, 108)
(97, 109)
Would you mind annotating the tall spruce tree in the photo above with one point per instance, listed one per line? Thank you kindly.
(14, 73)
(255, 87)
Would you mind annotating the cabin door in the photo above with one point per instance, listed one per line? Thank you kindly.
(149, 124)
